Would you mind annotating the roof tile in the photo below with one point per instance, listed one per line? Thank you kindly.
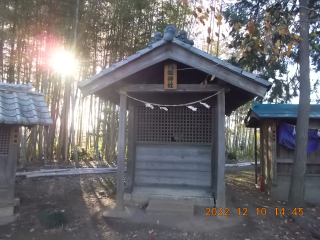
(20, 106)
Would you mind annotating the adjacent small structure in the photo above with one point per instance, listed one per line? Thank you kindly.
(277, 139)
(177, 97)
(19, 106)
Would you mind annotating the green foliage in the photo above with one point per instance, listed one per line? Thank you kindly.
(82, 154)
(52, 218)
(232, 155)
(265, 39)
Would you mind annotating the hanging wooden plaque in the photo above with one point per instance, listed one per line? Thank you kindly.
(170, 76)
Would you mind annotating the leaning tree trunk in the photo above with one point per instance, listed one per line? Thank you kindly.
(297, 188)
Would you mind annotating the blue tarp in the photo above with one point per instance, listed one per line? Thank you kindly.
(287, 137)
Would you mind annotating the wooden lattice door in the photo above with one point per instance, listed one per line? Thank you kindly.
(178, 124)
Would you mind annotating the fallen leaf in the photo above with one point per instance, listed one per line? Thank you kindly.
(212, 77)
(208, 40)
(251, 27)
(151, 231)
(195, 14)
(32, 230)
(209, 30)
(212, 8)
(199, 9)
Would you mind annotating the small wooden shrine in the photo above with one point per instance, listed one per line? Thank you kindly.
(277, 133)
(177, 97)
(19, 106)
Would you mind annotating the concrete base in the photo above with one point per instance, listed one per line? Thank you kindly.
(281, 191)
(143, 199)
(6, 211)
(170, 207)
(116, 213)
(17, 202)
(6, 220)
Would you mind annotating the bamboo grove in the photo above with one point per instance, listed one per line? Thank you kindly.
(99, 33)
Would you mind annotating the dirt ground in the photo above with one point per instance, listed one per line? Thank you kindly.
(83, 198)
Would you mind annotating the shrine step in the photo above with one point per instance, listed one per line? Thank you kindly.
(170, 207)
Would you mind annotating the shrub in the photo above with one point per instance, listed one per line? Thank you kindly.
(232, 156)
(52, 218)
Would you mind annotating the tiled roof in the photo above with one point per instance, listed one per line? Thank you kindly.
(20, 106)
(187, 46)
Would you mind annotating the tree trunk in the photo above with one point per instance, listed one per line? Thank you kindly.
(297, 186)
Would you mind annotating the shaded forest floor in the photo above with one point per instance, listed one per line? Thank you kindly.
(83, 198)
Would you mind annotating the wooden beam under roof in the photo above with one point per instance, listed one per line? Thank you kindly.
(180, 88)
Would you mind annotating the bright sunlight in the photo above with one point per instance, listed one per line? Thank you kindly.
(63, 62)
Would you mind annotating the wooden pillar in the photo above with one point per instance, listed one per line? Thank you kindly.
(45, 152)
(121, 152)
(273, 139)
(256, 156)
(220, 148)
(130, 149)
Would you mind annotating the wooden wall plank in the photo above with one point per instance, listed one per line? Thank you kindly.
(173, 165)
(179, 165)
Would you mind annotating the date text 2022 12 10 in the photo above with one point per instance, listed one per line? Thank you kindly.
(258, 211)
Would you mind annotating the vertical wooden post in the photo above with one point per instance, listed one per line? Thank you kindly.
(23, 159)
(121, 151)
(255, 156)
(131, 148)
(220, 148)
(45, 151)
(273, 140)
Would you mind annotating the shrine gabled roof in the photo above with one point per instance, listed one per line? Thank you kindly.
(20, 106)
(91, 86)
(260, 111)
